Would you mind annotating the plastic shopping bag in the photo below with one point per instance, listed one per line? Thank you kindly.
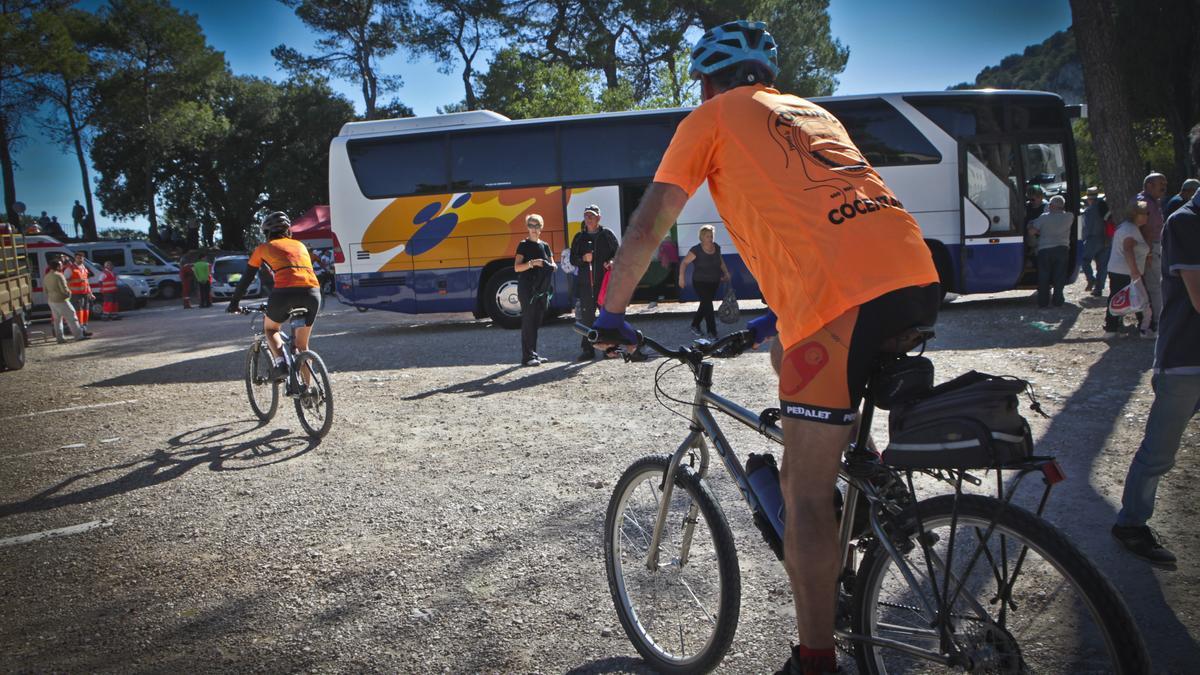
(728, 313)
(1129, 300)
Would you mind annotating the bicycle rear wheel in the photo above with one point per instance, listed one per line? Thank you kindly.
(681, 615)
(1059, 614)
(315, 406)
(261, 387)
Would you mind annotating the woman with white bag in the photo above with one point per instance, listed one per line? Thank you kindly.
(1126, 264)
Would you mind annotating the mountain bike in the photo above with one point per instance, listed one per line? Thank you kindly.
(306, 382)
(952, 583)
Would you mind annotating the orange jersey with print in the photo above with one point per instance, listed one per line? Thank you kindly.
(289, 260)
(814, 223)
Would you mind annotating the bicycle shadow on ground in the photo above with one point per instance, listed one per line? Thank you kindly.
(225, 447)
(614, 664)
(1084, 513)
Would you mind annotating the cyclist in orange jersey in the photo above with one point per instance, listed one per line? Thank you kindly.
(840, 262)
(296, 285)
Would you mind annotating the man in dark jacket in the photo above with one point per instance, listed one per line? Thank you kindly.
(592, 251)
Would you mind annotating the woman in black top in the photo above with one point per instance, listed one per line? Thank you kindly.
(710, 271)
(535, 266)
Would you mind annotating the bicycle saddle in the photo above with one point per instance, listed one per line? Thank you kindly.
(907, 339)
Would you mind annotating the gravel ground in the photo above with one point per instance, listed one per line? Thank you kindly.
(451, 521)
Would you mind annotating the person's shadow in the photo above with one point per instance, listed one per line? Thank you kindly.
(234, 446)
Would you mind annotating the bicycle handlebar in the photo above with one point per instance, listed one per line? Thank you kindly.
(261, 307)
(727, 347)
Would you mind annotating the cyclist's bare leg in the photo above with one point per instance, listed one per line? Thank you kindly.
(811, 457)
(274, 340)
(301, 337)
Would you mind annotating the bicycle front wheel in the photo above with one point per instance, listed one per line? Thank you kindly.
(682, 611)
(1020, 598)
(314, 406)
(261, 387)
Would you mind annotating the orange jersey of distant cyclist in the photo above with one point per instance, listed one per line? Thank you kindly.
(289, 260)
(812, 220)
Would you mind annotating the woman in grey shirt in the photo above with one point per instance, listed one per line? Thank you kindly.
(707, 276)
(1053, 232)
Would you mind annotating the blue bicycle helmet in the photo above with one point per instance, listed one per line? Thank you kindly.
(732, 43)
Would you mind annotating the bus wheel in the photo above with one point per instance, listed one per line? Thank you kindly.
(500, 298)
(945, 270)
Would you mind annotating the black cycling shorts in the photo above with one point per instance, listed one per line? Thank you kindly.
(283, 300)
(822, 377)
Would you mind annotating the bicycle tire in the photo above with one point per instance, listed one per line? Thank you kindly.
(646, 474)
(260, 378)
(1114, 633)
(318, 405)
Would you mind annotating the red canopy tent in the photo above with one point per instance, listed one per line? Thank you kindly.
(314, 229)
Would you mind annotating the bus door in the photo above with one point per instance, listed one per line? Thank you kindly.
(382, 279)
(660, 282)
(1044, 164)
(992, 256)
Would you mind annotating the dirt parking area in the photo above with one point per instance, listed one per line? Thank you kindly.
(452, 519)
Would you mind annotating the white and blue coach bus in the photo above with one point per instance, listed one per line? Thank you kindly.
(427, 211)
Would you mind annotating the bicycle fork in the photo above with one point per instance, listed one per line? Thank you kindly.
(694, 440)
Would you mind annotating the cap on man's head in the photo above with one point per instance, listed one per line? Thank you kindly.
(1190, 184)
(1036, 190)
(1093, 192)
(592, 208)
(1153, 175)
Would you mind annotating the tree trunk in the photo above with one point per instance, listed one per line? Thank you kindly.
(1108, 112)
(89, 222)
(6, 169)
(151, 212)
(470, 91)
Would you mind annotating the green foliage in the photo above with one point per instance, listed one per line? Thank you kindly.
(455, 31)
(355, 35)
(61, 70)
(1053, 65)
(522, 87)
(122, 233)
(810, 58)
(1154, 142)
(153, 101)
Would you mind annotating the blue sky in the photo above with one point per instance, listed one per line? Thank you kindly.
(895, 45)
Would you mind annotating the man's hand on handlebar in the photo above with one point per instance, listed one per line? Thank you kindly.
(613, 332)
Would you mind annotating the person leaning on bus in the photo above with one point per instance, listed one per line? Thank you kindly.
(296, 285)
(779, 169)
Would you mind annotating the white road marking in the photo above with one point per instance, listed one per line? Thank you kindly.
(72, 446)
(59, 410)
(114, 439)
(60, 532)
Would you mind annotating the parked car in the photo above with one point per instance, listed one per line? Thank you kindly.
(227, 272)
(134, 257)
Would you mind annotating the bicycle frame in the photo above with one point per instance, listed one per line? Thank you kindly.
(704, 425)
(285, 337)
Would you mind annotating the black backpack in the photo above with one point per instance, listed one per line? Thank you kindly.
(970, 422)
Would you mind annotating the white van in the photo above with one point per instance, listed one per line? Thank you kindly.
(227, 272)
(134, 257)
(132, 291)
